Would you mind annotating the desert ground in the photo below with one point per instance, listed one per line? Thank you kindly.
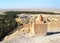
(17, 37)
(53, 25)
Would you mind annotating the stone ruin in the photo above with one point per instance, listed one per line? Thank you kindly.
(38, 25)
(33, 25)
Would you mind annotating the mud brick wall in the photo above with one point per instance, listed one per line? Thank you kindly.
(40, 29)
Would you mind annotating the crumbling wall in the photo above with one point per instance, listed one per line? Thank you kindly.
(40, 29)
(28, 28)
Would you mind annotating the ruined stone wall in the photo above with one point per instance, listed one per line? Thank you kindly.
(40, 29)
(35, 29)
(28, 28)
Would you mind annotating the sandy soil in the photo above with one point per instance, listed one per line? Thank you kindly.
(17, 37)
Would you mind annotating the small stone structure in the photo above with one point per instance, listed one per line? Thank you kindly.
(40, 28)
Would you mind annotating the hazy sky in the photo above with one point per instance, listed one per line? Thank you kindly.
(9, 4)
